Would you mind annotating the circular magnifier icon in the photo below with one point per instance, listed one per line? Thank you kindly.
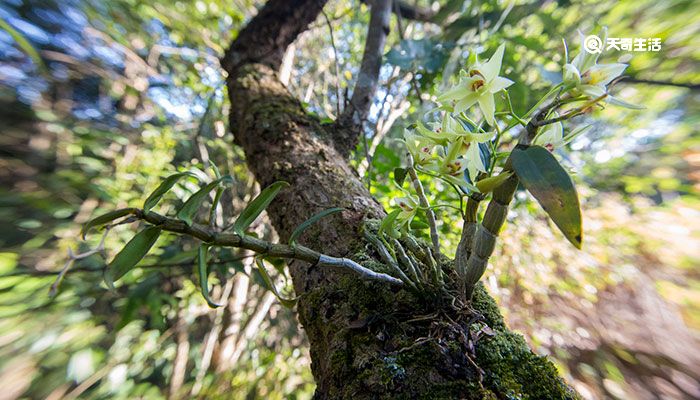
(593, 44)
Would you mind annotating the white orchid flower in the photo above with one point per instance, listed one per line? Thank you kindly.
(590, 78)
(552, 136)
(466, 145)
(478, 86)
(409, 207)
(420, 147)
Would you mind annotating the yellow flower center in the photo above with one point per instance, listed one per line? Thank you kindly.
(477, 84)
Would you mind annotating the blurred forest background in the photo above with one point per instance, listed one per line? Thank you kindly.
(101, 99)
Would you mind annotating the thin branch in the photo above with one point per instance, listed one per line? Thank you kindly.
(41, 273)
(72, 258)
(335, 59)
(261, 247)
(366, 84)
(430, 215)
(412, 12)
(691, 86)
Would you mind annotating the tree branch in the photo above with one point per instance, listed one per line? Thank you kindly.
(412, 12)
(356, 113)
(225, 239)
(266, 38)
(691, 86)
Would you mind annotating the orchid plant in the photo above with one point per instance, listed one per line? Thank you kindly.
(469, 156)
(464, 148)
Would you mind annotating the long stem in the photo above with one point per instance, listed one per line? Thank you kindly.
(429, 214)
(389, 259)
(228, 239)
(484, 239)
(543, 99)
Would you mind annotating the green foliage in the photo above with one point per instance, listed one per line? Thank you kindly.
(23, 44)
(312, 220)
(76, 167)
(487, 185)
(131, 254)
(426, 55)
(553, 188)
(203, 273)
(388, 224)
(105, 219)
(163, 188)
(270, 284)
(193, 204)
(251, 212)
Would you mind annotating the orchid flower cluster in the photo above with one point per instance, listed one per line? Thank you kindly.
(462, 152)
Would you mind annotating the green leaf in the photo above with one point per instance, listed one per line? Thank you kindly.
(487, 185)
(315, 218)
(203, 273)
(132, 253)
(553, 188)
(105, 218)
(416, 224)
(162, 189)
(192, 205)
(257, 206)
(289, 303)
(24, 44)
(215, 203)
(400, 175)
(388, 225)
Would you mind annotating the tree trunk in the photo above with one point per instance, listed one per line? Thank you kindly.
(368, 339)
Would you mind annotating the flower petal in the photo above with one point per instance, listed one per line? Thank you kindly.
(499, 83)
(571, 74)
(479, 137)
(492, 67)
(488, 107)
(604, 73)
(550, 134)
(576, 133)
(475, 164)
(457, 92)
(466, 102)
(593, 91)
(619, 102)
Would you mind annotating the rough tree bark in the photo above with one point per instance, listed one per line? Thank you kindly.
(368, 339)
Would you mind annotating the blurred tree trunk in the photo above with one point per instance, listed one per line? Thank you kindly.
(368, 340)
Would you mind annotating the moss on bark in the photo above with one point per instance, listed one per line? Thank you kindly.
(384, 344)
(369, 340)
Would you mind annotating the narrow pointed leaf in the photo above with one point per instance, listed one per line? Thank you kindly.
(133, 252)
(289, 303)
(24, 44)
(105, 218)
(553, 188)
(315, 218)
(193, 204)
(215, 203)
(162, 189)
(417, 225)
(388, 224)
(203, 273)
(400, 175)
(257, 206)
(487, 185)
